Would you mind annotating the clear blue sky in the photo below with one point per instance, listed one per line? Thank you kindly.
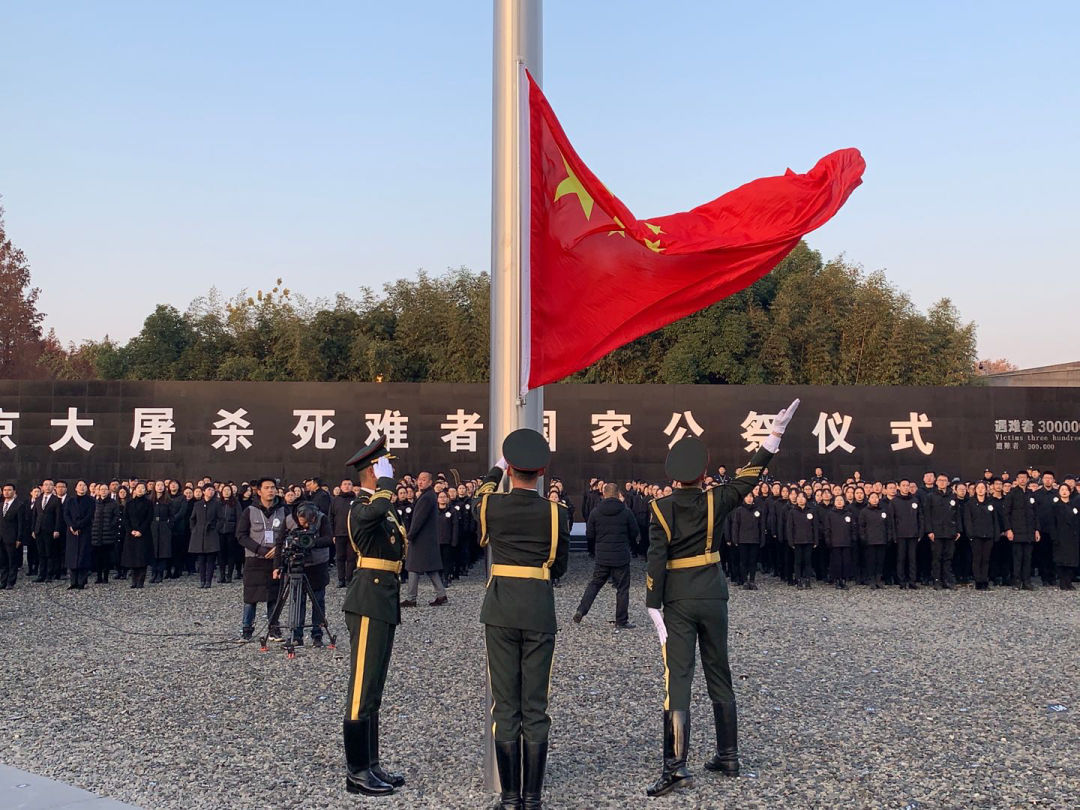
(151, 150)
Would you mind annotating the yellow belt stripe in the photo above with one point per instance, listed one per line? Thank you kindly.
(694, 562)
(358, 678)
(379, 564)
(520, 571)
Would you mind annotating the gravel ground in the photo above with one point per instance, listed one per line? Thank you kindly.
(846, 699)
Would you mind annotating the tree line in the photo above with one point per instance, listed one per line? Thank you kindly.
(808, 322)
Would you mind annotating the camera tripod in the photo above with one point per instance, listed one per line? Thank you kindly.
(296, 585)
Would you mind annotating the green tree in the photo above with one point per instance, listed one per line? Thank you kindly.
(20, 321)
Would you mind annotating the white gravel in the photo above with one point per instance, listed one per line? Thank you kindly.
(846, 699)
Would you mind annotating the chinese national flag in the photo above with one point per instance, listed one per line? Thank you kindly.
(599, 277)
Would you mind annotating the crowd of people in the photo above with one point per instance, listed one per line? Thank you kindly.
(999, 530)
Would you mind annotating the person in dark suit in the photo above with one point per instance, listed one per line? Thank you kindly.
(48, 523)
(372, 614)
(530, 545)
(1021, 529)
(424, 556)
(687, 596)
(14, 519)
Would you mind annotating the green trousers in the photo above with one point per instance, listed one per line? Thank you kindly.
(369, 661)
(519, 666)
(691, 623)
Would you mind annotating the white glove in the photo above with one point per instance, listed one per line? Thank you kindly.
(501, 464)
(383, 468)
(658, 620)
(779, 425)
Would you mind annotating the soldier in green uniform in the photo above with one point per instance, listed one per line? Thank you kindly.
(686, 581)
(530, 545)
(371, 614)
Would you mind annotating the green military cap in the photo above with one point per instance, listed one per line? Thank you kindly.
(526, 450)
(686, 460)
(369, 454)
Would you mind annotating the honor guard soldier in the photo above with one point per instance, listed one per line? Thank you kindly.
(530, 545)
(685, 580)
(371, 614)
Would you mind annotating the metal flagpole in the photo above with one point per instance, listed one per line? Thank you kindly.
(517, 43)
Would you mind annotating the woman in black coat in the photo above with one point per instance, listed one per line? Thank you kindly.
(161, 531)
(231, 555)
(137, 552)
(123, 498)
(78, 517)
(205, 543)
(983, 524)
(447, 528)
(1066, 537)
(104, 532)
(802, 532)
(876, 531)
(179, 515)
(839, 528)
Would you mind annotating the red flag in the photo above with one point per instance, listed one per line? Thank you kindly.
(599, 277)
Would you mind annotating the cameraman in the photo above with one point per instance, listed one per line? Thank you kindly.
(316, 559)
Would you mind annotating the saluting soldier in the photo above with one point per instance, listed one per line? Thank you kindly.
(372, 615)
(686, 581)
(530, 545)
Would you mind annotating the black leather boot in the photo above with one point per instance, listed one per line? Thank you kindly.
(358, 775)
(508, 761)
(533, 764)
(676, 741)
(393, 779)
(726, 760)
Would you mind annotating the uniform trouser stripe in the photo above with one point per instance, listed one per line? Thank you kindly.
(360, 653)
(667, 678)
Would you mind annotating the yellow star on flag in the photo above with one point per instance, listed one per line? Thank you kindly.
(571, 185)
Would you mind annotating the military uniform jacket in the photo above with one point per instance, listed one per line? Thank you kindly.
(687, 524)
(523, 529)
(375, 531)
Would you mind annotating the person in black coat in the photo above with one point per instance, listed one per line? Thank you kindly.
(179, 520)
(231, 555)
(447, 526)
(612, 531)
(104, 532)
(344, 553)
(137, 552)
(48, 523)
(205, 541)
(1066, 537)
(78, 518)
(1021, 530)
(839, 530)
(983, 523)
(876, 529)
(943, 530)
(908, 519)
(803, 533)
(747, 533)
(14, 529)
(160, 531)
(423, 556)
